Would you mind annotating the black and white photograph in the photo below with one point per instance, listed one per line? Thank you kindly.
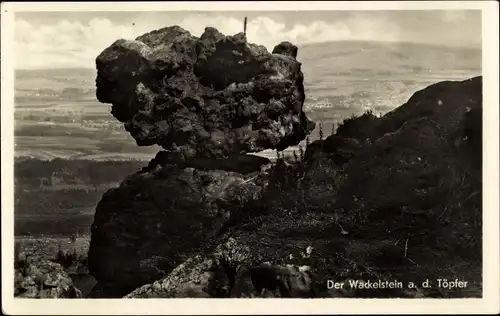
(247, 153)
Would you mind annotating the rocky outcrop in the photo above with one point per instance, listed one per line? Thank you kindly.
(448, 103)
(210, 97)
(423, 166)
(158, 217)
(208, 101)
(41, 278)
(454, 107)
(407, 185)
(230, 271)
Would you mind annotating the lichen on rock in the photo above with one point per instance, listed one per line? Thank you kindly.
(41, 278)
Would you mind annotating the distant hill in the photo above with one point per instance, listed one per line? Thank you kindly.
(374, 43)
(357, 57)
(54, 72)
(404, 51)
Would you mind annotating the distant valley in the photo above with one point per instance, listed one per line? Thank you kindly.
(57, 114)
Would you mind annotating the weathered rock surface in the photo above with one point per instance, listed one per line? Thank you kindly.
(211, 97)
(41, 278)
(158, 217)
(230, 271)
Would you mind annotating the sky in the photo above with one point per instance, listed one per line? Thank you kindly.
(74, 39)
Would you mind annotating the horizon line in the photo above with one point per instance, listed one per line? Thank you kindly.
(305, 45)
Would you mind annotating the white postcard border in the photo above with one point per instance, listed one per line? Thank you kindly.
(491, 293)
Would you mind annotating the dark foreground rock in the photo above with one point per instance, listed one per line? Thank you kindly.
(41, 278)
(159, 217)
(410, 188)
(422, 153)
(211, 97)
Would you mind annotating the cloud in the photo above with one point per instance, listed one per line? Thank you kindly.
(74, 43)
(64, 44)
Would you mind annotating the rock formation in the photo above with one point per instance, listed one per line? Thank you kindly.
(148, 225)
(372, 202)
(208, 102)
(210, 97)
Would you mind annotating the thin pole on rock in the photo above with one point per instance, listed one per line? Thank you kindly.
(245, 27)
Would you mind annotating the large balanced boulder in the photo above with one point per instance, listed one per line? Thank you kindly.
(208, 101)
(211, 97)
